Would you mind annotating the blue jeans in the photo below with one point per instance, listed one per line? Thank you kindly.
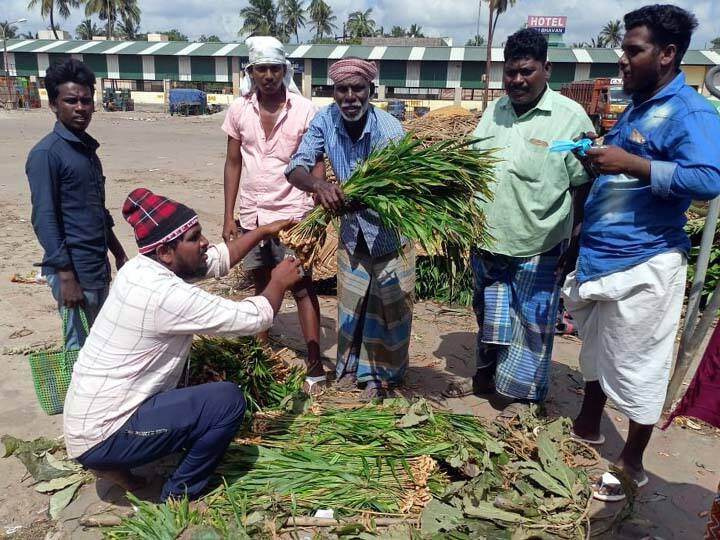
(200, 420)
(94, 299)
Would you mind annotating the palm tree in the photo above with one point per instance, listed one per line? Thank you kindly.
(293, 14)
(113, 10)
(496, 8)
(8, 30)
(477, 41)
(128, 30)
(715, 43)
(323, 20)
(47, 8)
(86, 30)
(398, 31)
(260, 18)
(612, 34)
(415, 31)
(28, 35)
(212, 38)
(359, 24)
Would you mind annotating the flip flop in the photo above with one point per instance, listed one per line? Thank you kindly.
(314, 386)
(595, 442)
(458, 389)
(612, 485)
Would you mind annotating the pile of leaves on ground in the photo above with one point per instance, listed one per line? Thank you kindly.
(425, 473)
(265, 379)
(51, 470)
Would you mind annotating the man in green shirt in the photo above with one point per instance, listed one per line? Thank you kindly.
(538, 198)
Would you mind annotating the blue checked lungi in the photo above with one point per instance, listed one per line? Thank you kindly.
(375, 308)
(515, 303)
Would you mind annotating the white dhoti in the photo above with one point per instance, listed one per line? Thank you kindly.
(628, 322)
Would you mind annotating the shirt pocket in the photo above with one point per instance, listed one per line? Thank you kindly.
(287, 142)
(528, 161)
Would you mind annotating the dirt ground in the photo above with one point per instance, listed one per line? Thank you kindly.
(183, 158)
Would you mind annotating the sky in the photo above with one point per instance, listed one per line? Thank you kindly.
(447, 18)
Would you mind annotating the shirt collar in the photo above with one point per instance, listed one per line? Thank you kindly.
(69, 136)
(545, 103)
(369, 124)
(670, 89)
(256, 105)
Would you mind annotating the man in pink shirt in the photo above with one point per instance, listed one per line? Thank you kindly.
(264, 128)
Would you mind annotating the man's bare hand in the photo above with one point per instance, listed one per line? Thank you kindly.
(330, 196)
(70, 290)
(611, 160)
(230, 230)
(274, 228)
(287, 273)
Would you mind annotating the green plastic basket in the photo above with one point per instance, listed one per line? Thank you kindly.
(52, 370)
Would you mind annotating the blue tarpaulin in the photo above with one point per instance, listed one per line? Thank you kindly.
(186, 96)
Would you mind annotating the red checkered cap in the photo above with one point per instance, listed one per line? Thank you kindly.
(155, 219)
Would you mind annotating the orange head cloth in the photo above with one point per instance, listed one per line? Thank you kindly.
(350, 67)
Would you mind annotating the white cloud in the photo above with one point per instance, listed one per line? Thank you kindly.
(456, 19)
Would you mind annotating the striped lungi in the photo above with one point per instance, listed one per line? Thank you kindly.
(375, 303)
(515, 303)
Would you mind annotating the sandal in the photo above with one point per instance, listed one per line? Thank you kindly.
(512, 410)
(595, 442)
(373, 391)
(314, 386)
(346, 383)
(467, 387)
(608, 487)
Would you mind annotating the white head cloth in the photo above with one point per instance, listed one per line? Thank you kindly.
(266, 50)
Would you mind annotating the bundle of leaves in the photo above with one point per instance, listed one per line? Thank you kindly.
(450, 476)
(427, 193)
(263, 377)
(694, 228)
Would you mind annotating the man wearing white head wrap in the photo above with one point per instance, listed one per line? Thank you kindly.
(264, 127)
(266, 50)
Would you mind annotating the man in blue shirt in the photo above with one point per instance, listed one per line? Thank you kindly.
(376, 267)
(628, 288)
(68, 201)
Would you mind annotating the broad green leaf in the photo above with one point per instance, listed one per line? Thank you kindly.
(58, 483)
(486, 510)
(553, 464)
(548, 482)
(39, 468)
(438, 516)
(14, 445)
(62, 498)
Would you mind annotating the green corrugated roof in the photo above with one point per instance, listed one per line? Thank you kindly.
(397, 53)
(557, 54)
(359, 51)
(603, 56)
(438, 54)
(475, 54)
(697, 58)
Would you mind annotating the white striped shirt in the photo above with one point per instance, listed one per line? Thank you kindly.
(140, 341)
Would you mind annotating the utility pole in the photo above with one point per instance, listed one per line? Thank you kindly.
(6, 68)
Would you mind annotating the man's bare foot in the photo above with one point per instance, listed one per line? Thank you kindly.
(124, 479)
(314, 368)
(346, 383)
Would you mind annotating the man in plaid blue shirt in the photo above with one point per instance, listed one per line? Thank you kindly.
(376, 266)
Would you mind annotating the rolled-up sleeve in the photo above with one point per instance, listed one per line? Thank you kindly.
(693, 168)
(311, 147)
(42, 172)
